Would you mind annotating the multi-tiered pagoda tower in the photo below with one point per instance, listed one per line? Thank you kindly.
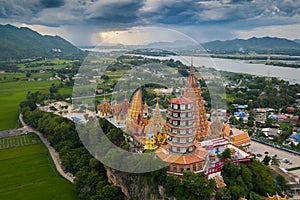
(193, 92)
(181, 151)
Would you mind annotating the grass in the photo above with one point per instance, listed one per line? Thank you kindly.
(42, 65)
(11, 94)
(27, 172)
(21, 140)
(65, 91)
(8, 77)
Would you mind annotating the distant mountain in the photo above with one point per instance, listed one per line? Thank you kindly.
(174, 44)
(258, 45)
(23, 43)
(297, 41)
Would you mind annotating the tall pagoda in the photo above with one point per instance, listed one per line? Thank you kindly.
(157, 119)
(136, 106)
(181, 151)
(135, 122)
(193, 92)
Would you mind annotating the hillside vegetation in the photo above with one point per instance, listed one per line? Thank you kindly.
(24, 43)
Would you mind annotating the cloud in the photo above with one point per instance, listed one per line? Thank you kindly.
(52, 3)
(212, 17)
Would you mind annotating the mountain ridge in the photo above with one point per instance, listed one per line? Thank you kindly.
(24, 43)
(254, 44)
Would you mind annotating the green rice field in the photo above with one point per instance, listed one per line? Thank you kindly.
(11, 94)
(27, 171)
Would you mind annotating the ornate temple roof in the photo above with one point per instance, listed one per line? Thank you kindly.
(192, 80)
(182, 159)
(181, 100)
(121, 108)
(277, 197)
(226, 128)
(136, 107)
(241, 139)
(104, 107)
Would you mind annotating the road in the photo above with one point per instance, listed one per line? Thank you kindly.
(257, 147)
(54, 155)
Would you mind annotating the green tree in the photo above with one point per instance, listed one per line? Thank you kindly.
(172, 182)
(254, 196)
(282, 183)
(263, 180)
(269, 122)
(275, 161)
(266, 160)
(109, 192)
(192, 187)
(223, 194)
(226, 153)
(236, 191)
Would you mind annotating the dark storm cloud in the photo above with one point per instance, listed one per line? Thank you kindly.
(223, 12)
(18, 9)
(121, 12)
(52, 3)
(211, 17)
(150, 12)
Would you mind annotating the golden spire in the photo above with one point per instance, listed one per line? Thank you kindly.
(136, 106)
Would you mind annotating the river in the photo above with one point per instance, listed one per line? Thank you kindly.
(286, 73)
(232, 65)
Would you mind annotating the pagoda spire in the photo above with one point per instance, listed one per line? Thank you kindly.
(192, 69)
(193, 92)
(136, 106)
(157, 119)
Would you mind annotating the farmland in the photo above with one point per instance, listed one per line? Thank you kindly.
(14, 92)
(27, 171)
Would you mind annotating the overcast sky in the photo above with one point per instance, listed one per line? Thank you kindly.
(86, 22)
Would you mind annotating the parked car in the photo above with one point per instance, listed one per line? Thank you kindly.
(258, 155)
(285, 160)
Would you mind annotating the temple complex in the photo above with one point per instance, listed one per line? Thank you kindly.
(186, 139)
(193, 92)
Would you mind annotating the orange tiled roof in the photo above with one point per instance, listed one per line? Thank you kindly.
(198, 156)
(277, 197)
(240, 139)
(181, 100)
(226, 128)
